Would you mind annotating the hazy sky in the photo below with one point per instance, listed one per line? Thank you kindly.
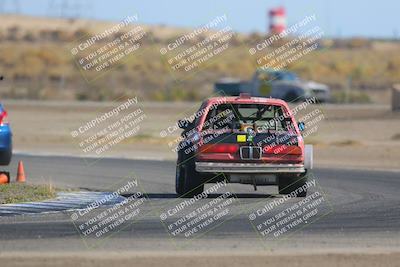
(341, 18)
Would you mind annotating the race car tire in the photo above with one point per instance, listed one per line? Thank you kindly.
(179, 179)
(192, 182)
(291, 97)
(5, 157)
(188, 182)
(288, 184)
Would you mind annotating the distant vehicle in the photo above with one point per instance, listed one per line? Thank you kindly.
(5, 138)
(251, 140)
(283, 85)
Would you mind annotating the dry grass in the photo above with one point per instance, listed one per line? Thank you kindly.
(17, 193)
(40, 66)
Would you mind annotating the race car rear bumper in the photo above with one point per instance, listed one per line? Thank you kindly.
(224, 167)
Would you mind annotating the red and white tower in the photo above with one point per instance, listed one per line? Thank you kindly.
(277, 20)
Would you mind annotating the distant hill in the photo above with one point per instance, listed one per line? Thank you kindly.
(36, 62)
(37, 24)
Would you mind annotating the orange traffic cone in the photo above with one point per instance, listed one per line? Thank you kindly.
(4, 177)
(21, 173)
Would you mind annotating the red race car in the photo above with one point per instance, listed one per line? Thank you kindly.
(250, 140)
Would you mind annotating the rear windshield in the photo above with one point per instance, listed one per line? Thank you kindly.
(238, 116)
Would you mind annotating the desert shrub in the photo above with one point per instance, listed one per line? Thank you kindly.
(351, 97)
(13, 33)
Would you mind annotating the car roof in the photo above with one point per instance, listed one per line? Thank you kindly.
(246, 100)
(271, 70)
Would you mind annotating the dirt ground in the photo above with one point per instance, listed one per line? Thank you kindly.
(198, 259)
(348, 136)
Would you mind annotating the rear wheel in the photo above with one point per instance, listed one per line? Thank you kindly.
(188, 182)
(291, 97)
(292, 183)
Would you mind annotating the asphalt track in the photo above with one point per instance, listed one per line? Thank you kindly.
(361, 210)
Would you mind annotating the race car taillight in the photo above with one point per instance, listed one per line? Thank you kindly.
(3, 118)
(282, 150)
(219, 148)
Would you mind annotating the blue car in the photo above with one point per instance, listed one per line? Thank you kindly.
(5, 138)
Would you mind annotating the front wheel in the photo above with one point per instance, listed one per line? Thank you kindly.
(292, 183)
(179, 179)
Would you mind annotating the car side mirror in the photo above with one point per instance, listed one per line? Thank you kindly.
(302, 126)
(183, 124)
